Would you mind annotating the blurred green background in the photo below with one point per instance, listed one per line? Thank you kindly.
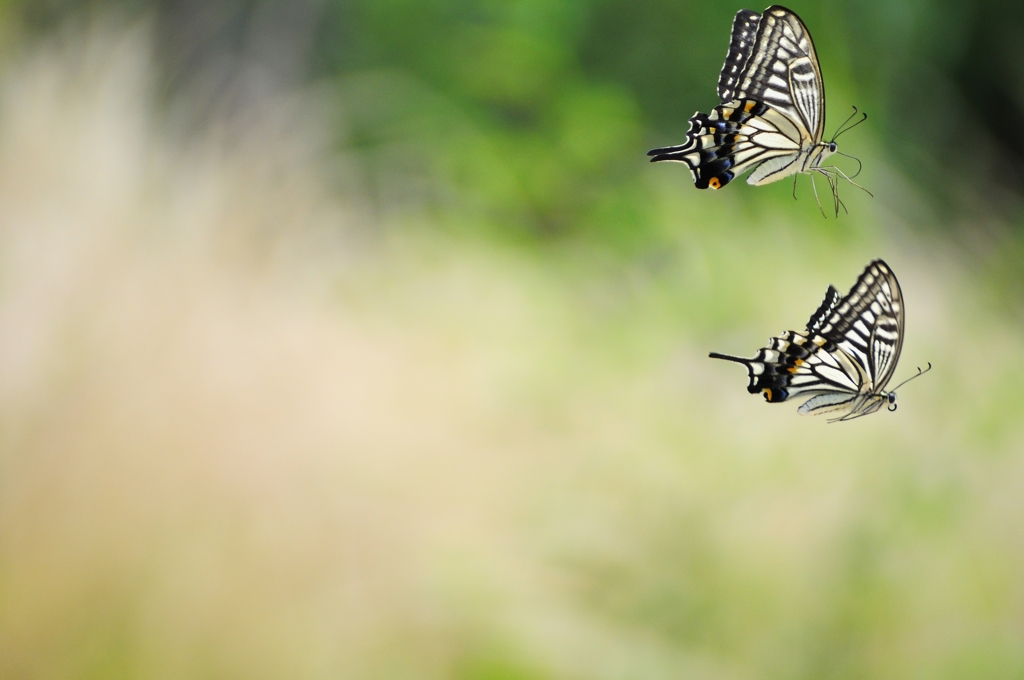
(360, 340)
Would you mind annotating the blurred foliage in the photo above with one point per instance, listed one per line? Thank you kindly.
(451, 460)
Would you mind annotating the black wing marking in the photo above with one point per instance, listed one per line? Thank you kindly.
(828, 305)
(730, 140)
(780, 68)
(797, 363)
(744, 29)
(869, 322)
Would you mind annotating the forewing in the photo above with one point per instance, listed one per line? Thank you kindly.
(868, 323)
(780, 67)
(744, 30)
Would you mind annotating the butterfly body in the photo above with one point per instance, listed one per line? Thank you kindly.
(772, 115)
(843, 360)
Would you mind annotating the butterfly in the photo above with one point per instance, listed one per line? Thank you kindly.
(772, 114)
(846, 356)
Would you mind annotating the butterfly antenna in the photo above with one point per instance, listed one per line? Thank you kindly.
(916, 375)
(848, 119)
(842, 129)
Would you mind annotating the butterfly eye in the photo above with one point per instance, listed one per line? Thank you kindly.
(832, 147)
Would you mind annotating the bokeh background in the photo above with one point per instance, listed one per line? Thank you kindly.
(358, 339)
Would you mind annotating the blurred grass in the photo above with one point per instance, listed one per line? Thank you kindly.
(429, 398)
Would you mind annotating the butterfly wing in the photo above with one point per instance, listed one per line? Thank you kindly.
(772, 59)
(868, 322)
(800, 364)
(732, 139)
(744, 32)
(828, 306)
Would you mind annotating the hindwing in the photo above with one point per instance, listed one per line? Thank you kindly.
(775, 63)
(797, 363)
(730, 140)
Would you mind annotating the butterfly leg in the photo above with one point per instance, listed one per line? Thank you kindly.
(795, 175)
(847, 178)
(833, 184)
(816, 199)
(838, 202)
(835, 194)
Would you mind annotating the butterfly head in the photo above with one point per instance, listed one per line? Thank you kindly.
(820, 151)
(891, 397)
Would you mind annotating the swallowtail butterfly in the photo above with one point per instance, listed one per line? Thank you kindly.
(772, 114)
(844, 359)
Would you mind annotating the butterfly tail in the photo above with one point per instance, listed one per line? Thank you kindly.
(763, 377)
(771, 372)
(718, 146)
(706, 152)
(729, 357)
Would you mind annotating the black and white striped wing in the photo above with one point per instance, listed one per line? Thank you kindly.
(772, 59)
(868, 322)
(741, 46)
(734, 138)
(825, 310)
(802, 364)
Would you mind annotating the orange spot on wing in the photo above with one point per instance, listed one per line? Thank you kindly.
(767, 394)
(796, 365)
(749, 105)
(714, 183)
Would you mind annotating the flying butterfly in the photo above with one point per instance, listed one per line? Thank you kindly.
(846, 356)
(772, 115)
